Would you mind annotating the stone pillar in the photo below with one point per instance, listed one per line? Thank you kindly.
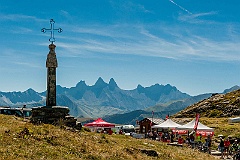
(51, 113)
(51, 65)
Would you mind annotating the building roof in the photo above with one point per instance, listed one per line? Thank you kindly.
(156, 120)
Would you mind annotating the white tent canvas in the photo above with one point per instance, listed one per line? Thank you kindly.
(167, 124)
(190, 126)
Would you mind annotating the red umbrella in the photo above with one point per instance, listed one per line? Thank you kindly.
(99, 123)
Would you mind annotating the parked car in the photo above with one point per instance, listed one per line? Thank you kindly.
(20, 112)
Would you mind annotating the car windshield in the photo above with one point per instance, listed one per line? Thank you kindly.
(27, 113)
(128, 130)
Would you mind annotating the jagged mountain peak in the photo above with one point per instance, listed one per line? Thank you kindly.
(139, 86)
(170, 86)
(112, 84)
(81, 84)
(100, 83)
(101, 98)
(161, 92)
(30, 90)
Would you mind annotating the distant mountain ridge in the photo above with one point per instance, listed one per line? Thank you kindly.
(171, 108)
(99, 99)
(108, 100)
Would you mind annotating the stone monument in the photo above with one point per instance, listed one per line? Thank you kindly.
(51, 113)
(51, 65)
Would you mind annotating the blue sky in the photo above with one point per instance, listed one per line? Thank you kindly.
(191, 44)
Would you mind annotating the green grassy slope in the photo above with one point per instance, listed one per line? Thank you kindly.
(217, 106)
(20, 139)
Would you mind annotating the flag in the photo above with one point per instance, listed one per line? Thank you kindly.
(196, 122)
(152, 119)
(167, 116)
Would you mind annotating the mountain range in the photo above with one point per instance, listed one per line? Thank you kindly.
(108, 100)
(225, 104)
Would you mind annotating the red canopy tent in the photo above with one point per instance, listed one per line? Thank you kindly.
(99, 123)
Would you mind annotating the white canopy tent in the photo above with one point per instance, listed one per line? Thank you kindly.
(167, 124)
(190, 126)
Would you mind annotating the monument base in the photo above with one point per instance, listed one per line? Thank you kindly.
(57, 115)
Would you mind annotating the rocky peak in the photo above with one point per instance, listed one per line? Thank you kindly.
(155, 91)
(112, 84)
(98, 87)
(140, 88)
(81, 84)
(100, 83)
(30, 91)
(170, 87)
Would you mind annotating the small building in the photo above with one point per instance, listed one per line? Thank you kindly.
(146, 123)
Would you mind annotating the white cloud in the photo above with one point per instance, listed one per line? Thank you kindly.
(66, 15)
(19, 17)
(128, 7)
(21, 30)
(27, 64)
(197, 18)
(144, 43)
(16, 57)
(205, 14)
(142, 40)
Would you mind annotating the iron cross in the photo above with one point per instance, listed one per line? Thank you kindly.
(52, 39)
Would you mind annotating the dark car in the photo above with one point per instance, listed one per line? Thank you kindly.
(20, 112)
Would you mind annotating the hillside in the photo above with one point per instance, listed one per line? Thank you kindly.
(218, 105)
(175, 106)
(22, 140)
(160, 111)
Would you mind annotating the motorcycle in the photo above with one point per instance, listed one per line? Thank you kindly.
(236, 156)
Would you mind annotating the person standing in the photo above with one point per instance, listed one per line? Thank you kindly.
(192, 140)
(234, 147)
(226, 146)
(221, 146)
(209, 142)
(171, 137)
(180, 140)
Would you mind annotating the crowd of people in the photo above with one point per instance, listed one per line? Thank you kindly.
(171, 137)
(228, 147)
